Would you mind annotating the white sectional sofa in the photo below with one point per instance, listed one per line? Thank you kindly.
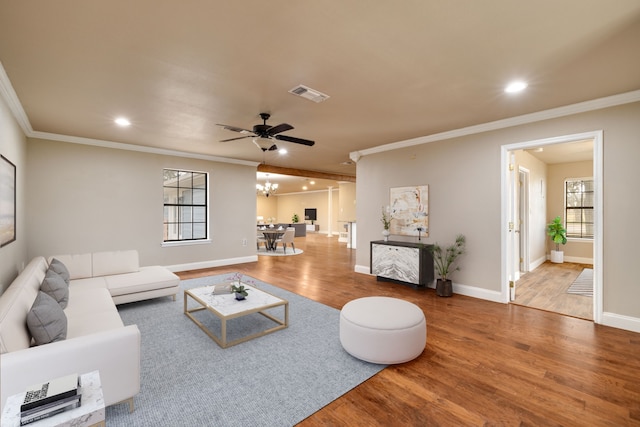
(96, 338)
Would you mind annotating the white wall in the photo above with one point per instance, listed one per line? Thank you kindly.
(83, 198)
(465, 196)
(13, 145)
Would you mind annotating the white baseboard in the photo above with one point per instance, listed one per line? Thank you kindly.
(475, 292)
(211, 263)
(537, 263)
(577, 260)
(621, 322)
(458, 288)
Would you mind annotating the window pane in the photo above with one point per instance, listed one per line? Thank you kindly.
(199, 230)
(199, 180)
(170, 178)
(185, 214)
(185, 231)
(199, 197)
(170, 195)
(199, 214)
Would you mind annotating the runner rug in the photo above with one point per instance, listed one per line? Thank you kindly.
(583, 285)
(275, 380)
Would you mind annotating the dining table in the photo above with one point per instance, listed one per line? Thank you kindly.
(271, 235)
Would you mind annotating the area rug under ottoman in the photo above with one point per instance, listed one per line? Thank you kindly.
(275, 380)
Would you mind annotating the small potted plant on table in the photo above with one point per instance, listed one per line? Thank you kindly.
(444, 259)
(240, 291)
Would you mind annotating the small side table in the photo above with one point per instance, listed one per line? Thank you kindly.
(90, 413)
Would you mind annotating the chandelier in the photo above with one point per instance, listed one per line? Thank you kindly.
(267, 189)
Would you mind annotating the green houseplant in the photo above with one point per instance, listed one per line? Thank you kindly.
(240, 291)
(444, 262)
(558, 235)
(295, 219)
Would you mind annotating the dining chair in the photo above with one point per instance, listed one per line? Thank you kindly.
(260, 239)
(287, 238)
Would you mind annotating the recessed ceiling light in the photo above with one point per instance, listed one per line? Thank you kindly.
(121, 121)
(312, 182)
(283, 151)
(516, 86)
(304, 187)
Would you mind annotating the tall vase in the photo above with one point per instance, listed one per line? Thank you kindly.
(386, 233)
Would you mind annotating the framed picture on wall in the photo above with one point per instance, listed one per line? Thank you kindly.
(409, 209)
(7, 201)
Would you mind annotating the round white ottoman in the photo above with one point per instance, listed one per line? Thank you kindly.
(383, 330)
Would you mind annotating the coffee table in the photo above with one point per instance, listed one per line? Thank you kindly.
(226, 307)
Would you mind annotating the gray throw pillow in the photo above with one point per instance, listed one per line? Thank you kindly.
(61, 269)
(55, 286)
(46, 320)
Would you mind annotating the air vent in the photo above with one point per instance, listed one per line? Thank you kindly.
(308, 93)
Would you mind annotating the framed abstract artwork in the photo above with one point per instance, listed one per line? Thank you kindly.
(409, 209)
(7, 201)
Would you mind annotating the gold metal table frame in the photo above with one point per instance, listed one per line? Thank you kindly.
(236, 310)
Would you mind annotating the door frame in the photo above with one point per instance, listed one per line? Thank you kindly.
(505, 181)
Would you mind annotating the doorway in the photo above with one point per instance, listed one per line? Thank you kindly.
(522, 212)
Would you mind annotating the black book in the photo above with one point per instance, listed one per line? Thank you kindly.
(52, 409)
(51, 406)
(51, 391)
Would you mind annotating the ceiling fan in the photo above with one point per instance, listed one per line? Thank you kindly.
(264, 135)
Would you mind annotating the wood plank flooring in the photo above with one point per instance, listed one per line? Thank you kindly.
(484, 364)
(545, 288)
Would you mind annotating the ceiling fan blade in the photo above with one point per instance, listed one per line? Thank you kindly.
(282, 127)
(233, 139)
(235, 129)
(295, 140)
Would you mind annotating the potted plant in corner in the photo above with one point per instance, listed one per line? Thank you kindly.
(558, 235)
(386, 224)
(240, 291)
(444, 259)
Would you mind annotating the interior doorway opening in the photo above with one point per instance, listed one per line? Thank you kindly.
(525, 215)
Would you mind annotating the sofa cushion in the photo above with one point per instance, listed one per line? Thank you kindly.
(79, 266)
(60, 268)
(115, 262)
(54, 285)
(46, 320)
(147, 279)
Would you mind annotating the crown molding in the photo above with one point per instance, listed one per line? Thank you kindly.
(582, 107)
(138, 148)
(11, 98)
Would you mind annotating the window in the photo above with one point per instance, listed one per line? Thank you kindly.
(185, 205)
(578, 197)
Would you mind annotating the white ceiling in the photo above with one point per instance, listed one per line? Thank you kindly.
(393, 70)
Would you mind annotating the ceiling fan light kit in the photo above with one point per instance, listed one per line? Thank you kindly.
(264, 135)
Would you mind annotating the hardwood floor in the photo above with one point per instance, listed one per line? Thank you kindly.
(485, 363)
(545, 288)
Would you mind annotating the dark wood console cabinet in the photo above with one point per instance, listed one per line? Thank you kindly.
(404, 262)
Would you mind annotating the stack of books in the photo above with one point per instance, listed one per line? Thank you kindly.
(51, 398)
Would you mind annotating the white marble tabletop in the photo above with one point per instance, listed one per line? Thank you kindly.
(227, 305)
(90, 412)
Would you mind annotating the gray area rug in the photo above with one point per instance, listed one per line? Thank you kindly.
(275, 380)
(583, 285)
(279, 252)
